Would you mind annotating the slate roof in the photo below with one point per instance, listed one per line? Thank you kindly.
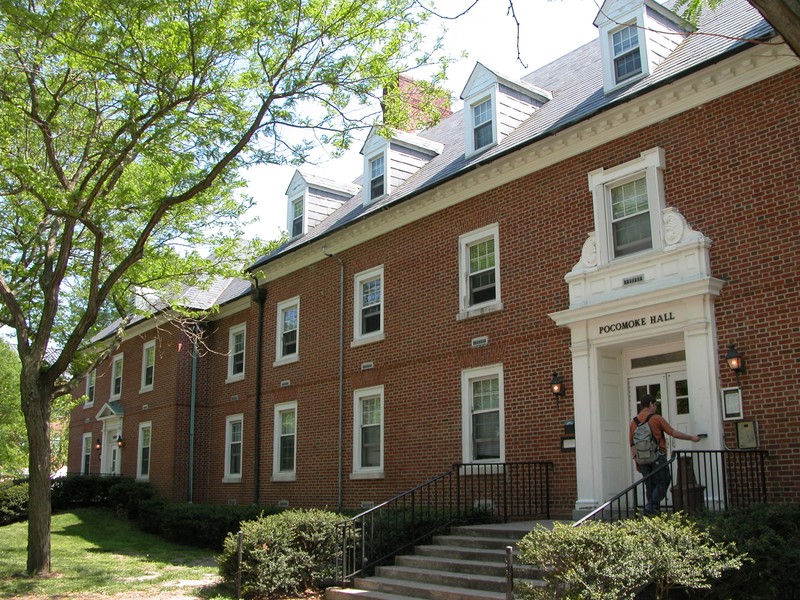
(576, 83)
(220, 291)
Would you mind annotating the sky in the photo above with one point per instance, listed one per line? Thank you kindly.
(548, 30)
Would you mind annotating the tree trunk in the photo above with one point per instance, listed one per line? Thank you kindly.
(784, 16)
(36, 407)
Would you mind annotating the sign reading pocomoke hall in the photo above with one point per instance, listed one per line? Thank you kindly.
(636, 323)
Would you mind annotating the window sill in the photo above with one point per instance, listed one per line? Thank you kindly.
(363, 341)
(144, 390)
(367, 474)
(143, 479)
(286, 360)
(278, 477)
(235, 378)
(478, 311)
(232, 479)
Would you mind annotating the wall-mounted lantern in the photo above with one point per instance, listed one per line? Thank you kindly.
(557, 386)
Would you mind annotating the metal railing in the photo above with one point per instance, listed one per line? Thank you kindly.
(700, 480)
(467, 493)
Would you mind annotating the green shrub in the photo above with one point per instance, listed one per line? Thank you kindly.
(770, 535)
(126, 496)
(615, 560)
(13, 502)
(595, 560)
(81, 490)
(288, 552)
(201, 525)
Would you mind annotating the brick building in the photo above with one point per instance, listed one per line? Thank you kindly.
(623, 217)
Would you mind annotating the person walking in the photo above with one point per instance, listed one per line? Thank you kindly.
(655, 487)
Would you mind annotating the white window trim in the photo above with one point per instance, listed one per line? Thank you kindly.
(117, 359)
(140, 447)
(384, 152)
(360, 472)
(91, 382)
(148, 387)
(607, 32)
(469, 121)
(651, 164)
(464, 242)
(360, 338)
(232, 333)
(280, 359)
(290, 215)
(233, 477)
(467, 376)
(86, 450)
(277, 474)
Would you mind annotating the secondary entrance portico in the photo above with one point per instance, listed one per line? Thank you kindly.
(644, 324)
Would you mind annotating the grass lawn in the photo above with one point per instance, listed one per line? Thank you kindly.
(96, 554)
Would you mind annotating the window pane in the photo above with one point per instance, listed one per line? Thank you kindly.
(486, 435)
(627, 57)
(630, 217)
(289, 336)
(482, 123)
(482, 278)
(286, 462)
(377, 171)
(371, 446)
(145, 461)
(297, 218)
(485, 394)
(371, 306)
(237, 363)
(289, 343)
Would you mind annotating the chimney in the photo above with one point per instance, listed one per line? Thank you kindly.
(421, 104)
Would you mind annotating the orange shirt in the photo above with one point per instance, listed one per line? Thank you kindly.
(658, 425)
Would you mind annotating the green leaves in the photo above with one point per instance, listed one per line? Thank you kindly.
(601, 560)
(124, 127)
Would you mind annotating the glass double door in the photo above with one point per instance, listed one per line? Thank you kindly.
(671, 391)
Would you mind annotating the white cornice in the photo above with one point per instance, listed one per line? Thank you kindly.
(735, 73)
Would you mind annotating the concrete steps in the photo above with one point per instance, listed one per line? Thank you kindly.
(467, 564)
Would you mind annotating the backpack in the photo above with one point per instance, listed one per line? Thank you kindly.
(644, 442)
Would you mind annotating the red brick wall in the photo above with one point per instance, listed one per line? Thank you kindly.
(731, 170)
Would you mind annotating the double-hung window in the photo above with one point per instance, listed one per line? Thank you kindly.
(630, 217)
(91, 382)
(368, 433)
(237, 338)
(143, 455)
(377, 177)
(116, 377)
(297, 217)
(479, 271)
(287, 339)
(285, 442)
(148, 365)
(627, 54)
(482, 124)
(233, 448)
(628, 206)
(482, 403)
(86, 453)
(368, 303)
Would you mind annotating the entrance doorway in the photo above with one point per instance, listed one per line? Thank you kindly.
(671, 391)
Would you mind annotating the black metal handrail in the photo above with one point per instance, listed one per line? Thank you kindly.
(700, 480)
(467, 493)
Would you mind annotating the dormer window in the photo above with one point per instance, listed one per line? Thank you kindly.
(482, 122)
(297, 216)
(494, 107)
(627, 56)
(377, 177)
(635, 37)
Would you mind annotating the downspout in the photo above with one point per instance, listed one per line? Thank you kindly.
(192, 402)
(258, 294)
(341, 378)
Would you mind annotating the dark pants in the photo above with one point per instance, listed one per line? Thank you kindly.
(656, 486)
